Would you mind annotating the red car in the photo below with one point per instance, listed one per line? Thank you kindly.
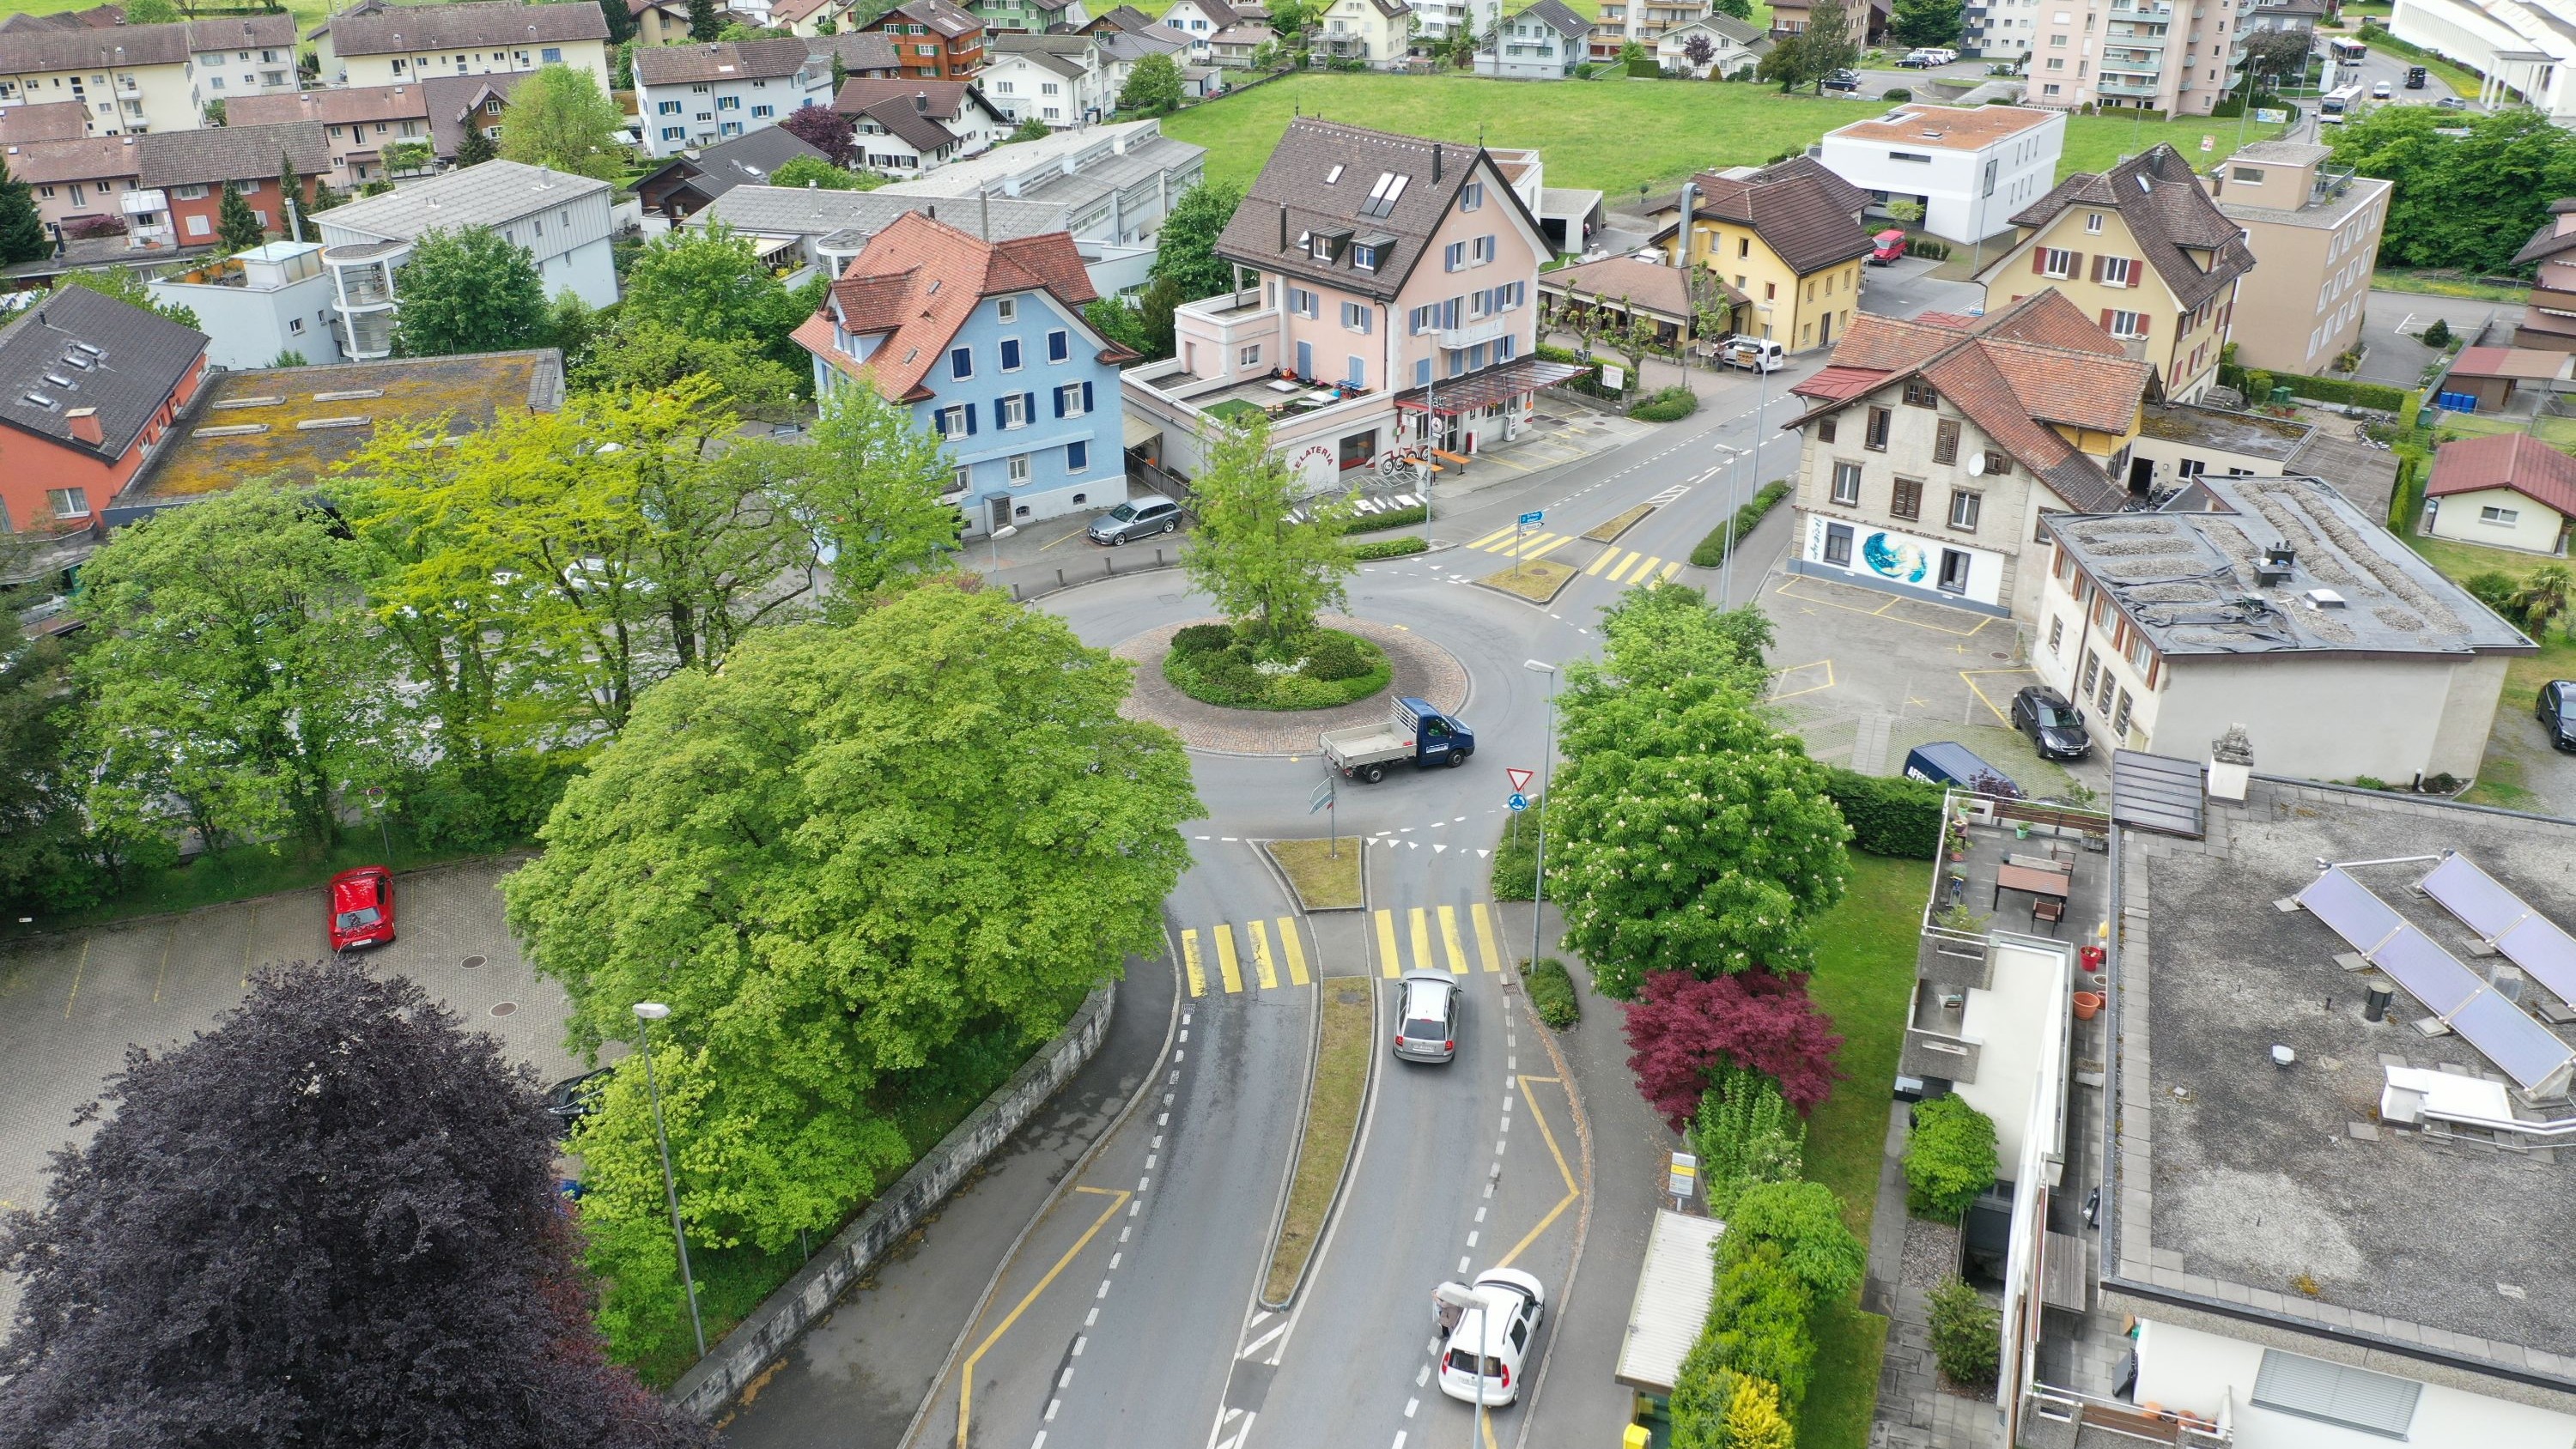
(362, 908)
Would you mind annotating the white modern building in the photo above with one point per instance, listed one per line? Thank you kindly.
(905, 127)
(1062, 80)
(1115, 182)
(2522, 47)
(259, 305)
(699, 95)
(563, 220)
(1969, 167)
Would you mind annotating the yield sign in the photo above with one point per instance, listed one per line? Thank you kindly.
(1520, 780)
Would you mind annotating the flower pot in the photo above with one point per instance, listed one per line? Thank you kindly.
(2086, 1004)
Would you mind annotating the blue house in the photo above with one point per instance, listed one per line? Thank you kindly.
(986, 343)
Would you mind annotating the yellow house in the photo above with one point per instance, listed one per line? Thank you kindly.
(1788, 238)
(2145, 253)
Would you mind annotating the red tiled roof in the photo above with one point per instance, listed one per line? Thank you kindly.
(919, 280)
(2521, 363)
(1833, 384)
(2517, 461)
(1956, 321)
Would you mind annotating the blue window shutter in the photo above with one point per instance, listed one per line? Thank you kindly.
(1059, 402)
(970, 420)
(1029, 406)
(1077, 457)
(1086, 396)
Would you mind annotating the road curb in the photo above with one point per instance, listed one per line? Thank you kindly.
(1582, 1219)
(1063, 1187)
(1359, 1135)
(1288, 886)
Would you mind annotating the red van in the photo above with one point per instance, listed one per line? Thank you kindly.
(1886, 247)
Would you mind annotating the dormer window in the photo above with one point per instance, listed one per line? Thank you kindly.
(1364, 258)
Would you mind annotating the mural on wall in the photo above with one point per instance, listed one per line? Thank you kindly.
(1895, 558)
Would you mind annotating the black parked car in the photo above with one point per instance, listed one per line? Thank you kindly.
(1845, 79)
(2557, 710)
(2054, 728)
(574, 1098)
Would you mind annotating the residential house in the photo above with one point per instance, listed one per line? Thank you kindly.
(2313, 227)
(906, 127)
(2549, 318)
(360, 122)
(1542, 41)
(1029, 17)
(461, 103)
(1119, 50)
(695, 96)
(258, 305)
(1787, 237)
(985, 342)
(1735, 48)
(1235, 46)
(562, 219)
(89, 386)
(812, 17)
(1060, 79)
(933, 39)
(2507, 491)
(1657, 294)
(85, 184)
(659, 22)
(43, 121)
(1865, 27)
(2143, 249)
(1373, 33)
(1117, 181)
(691, 181)
(2178, 442)
(2521, 52)
(2274, 604)
(1115, 17)
(134, 78)
(1383, 300)
(1969, 168)
(1646, 22)
(191, 168)
(1568, 215)
(2134, 55)
(296, 424)
(1201, 20)
(1929, 452)
(375, 43)
(801, 232)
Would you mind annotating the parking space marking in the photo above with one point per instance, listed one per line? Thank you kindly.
(1785, 589)
(1970, 676)
(1799, 679)
(1572, 1190)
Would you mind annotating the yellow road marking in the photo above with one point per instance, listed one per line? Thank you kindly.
(1294, 949)
(1386, 961)
(1449, 939)
(1260, 932)
(1882, 610)
(1781, 676)
(1571, 1191)
(1226, 964)
(1560, 541)
(76, 978)
(1598, 564)
(966, 1381)
(1497, 536)
(1190, 963)
(1525, 547)
(1970, 677)
(1624, 565)
(1485, 933)
(1672, 568)
(1419, 922)
(1077, 533)
(1644, 571)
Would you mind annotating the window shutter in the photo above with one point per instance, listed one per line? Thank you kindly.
(2143, 320)
(970, 420)
(1086, 396)
(1059, 402)
(2039, 261)
(2106, 319)
(2137, 270)
(2074, 264)
(1029, 406)
(2097, 268)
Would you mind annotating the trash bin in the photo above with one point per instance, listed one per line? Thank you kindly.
(2280, 397)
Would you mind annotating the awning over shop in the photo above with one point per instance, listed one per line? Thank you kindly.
(1480, 390)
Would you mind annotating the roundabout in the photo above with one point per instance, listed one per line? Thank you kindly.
(1422, 670)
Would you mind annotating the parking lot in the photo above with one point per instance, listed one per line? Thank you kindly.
(71, 1004)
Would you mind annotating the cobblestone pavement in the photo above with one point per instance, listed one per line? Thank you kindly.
(1914, 1411)
(1423, 670)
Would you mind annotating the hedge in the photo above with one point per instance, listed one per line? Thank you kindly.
(1889, 814)
(1390, 548)
(1391, 518)
(2342, 390)
(1745, 1136)
(1949, 1159)
(1967, 1334)
(1712, 549)
(1552, 994)
(1668, 406)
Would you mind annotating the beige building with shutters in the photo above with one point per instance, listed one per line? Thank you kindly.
(2143, 251)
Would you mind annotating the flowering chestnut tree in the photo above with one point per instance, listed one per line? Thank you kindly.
(1683, 1029)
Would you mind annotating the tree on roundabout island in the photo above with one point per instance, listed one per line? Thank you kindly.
(1271, 571)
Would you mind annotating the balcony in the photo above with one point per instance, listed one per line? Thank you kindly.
(2054, 1418)
(1486, 330)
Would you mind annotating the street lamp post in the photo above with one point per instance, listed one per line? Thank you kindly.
(1547, 780)
(994, 541)
(647, 1013)
(1734, 491)
(1762, 405)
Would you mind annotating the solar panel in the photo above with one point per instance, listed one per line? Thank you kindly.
(2527, 938)
(2350, 910)
(2430, 974)
(2526, 1050)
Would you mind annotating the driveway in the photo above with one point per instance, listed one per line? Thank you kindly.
(2392, 324)
(1906, 287)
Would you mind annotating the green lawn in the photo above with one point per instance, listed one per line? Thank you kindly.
(2557, 431)
(1617, 136)
(2440, 282)
(2499, 782)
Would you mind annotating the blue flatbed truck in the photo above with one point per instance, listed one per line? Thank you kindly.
(1414, 732)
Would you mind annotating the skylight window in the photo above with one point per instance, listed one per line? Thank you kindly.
(1383, 196)
(1333, 175)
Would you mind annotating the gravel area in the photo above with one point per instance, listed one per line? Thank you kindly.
(1931, 1254)
(1423, 670)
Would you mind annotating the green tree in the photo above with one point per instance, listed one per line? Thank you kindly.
(867, 481)
(214, 111)
(1269, 573)
(621, 26)
(560, 118)
(469, 291)
(706, 20)
(1745, 1136)
(402, 158)
(2543, 598)
(2274, 56)
(1804, 1222)
(1949, 1159)
(476, 146)
(2467, 201)
(290, 191)
(708, 282)
(1634, 58)
(292, 357)
(126, 286)
(814, 171)
(1753, 1417)
(1740, 9)
(236, 669)
(1785, 62)
(1118, 324)
(574, 328)
(1031, 129)
(1162, 297)
(1937, 22)
(1829, 44)
(640, 352)
(151, 12)
(1153, 88)
(810, 859)
(1185, 253)
(237, 227)
(1967, 1333)
(47, 859)
(22, 231)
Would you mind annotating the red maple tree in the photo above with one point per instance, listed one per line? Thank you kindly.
(1681, 1029)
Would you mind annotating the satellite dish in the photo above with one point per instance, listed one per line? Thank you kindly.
(1977, 465)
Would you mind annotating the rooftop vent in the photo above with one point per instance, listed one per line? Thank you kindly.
(2283, 1057)
(58, 380)
(315, 425)
(93, 351)
(246, 402)
(2274, 568)
(42, 401)
(354, 394)
(2323, 599)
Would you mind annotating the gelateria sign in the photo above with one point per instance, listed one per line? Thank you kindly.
(1934, 565)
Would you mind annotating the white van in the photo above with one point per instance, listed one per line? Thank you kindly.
(1754, 354)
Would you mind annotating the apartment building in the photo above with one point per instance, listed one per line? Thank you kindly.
(359, 122)
(1866, 25)
(1029, 17)
(905, 127)
(1384, 298)
(1643, 21)
(376, 43)
(258, 305)
(1787, 237)
(1969, 168)
(1116, 182)
(81, 184)
(562, 220)
(985, 343)
(933, 40)
(1201, 20)
(191, 169)
(698, 95)
(2549, 318)
(129, 79)
(1060, 79)
(1373, 33)
(1929, 452)
(2313, 227)
(2177, 56)
(2142, 249)
(89, 387)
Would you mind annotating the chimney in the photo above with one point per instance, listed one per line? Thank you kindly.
(84, 423)
(2231, 765)
(921, 102)
(1436, 149)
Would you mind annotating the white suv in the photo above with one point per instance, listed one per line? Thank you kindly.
(1502, 1329)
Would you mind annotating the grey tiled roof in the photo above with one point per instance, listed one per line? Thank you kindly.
(746, 160)
(492, 194)
(1555, 16)
(140, 356)
(230, 153)
(796, 211)
(662, 65)
(452, 96)
(1291, 197)
(412, 29)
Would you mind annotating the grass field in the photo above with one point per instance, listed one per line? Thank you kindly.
(1326, 878)
(2499, 782)
(1617, 136)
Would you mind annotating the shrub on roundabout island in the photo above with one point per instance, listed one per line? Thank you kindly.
(1321, 669)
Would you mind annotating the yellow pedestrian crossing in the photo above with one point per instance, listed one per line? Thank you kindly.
(1387, 963)
(1261, 955)
(1266, 953)
(1485, 934)
(1420, 922)
(1449, 940)
(1227, 966)
(1190, 963)
(1451, 955)
(1294, 949)
(1631, 567)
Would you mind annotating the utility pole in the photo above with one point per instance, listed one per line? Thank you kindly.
(647, 1013)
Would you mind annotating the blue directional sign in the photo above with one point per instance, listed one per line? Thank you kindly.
(1518, 801)
(1532, 518)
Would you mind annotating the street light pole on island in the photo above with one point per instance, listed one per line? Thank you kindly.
(1547, 779)
(647, 1013)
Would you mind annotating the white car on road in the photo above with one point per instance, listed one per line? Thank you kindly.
(1499, 1315)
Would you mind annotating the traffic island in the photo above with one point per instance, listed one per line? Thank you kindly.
(1324, 874)
(1536, 580)
(1609, 532)
(1332, 1121)
(1422, 670)
(1326, 669)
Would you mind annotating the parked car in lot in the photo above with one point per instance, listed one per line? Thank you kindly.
(1426, 1016)
(362, 908)
(2055, 729)
(2557, 711)
(1843, 80)
(1887, 248)
(1498, 1330)
(1753, 354)
(1136, 518)
(1947, 762)
(574, 1098)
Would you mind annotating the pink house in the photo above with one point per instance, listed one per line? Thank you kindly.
(1386, 291)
